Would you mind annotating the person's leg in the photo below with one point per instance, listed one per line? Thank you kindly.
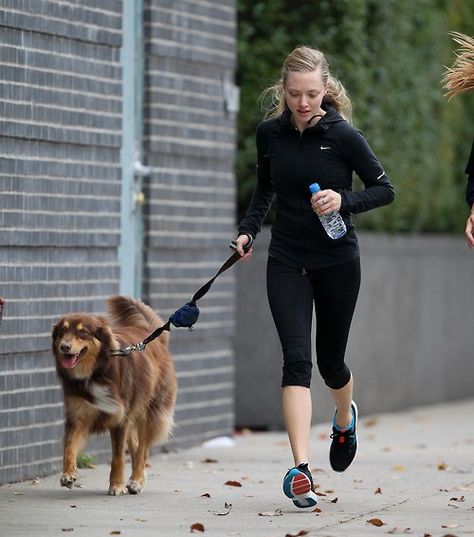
(343, 399)
(297, 408)
(290, 299)
(335, 294)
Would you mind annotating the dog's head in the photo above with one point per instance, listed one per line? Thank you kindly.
(79, 341)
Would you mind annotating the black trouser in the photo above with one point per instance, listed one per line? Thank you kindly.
(291, 294)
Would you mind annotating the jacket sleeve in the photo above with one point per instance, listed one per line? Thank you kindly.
(263, 194)
(378, 189)
(470, 178)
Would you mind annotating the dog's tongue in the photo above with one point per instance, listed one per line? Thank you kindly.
(69, 360)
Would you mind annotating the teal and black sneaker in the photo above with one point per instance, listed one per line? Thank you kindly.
(344, 443)
(298, 485)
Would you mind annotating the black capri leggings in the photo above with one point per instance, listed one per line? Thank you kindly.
(291, 294)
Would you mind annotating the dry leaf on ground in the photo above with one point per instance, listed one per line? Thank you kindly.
(299, 534)
(378, 490)
(376, 522)
(233, 484)
(197, 527)
(277, 512)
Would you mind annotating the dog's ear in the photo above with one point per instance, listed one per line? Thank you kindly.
(103, 332)
(55, 331)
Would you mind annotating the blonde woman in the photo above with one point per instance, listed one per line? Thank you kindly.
(307, 137)
(460, 79)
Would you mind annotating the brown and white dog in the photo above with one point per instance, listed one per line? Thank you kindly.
(132, 397)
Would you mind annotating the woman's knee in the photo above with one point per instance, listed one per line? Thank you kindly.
(335, 378)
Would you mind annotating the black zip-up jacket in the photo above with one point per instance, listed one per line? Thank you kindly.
(470, 178)
(288, 162)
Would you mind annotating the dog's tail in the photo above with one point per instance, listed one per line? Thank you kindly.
(126, 311)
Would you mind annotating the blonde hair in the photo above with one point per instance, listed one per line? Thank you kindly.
(304, 59)
(460, 77)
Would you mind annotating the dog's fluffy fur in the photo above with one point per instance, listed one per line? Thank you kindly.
(133, 397)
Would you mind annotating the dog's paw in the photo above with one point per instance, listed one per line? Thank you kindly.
(67, 480)
(134, 487)
(117, 490)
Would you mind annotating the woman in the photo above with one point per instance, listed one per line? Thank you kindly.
(307, 138)
(460, 79)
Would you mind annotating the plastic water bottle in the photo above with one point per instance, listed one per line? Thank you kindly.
(332, 223)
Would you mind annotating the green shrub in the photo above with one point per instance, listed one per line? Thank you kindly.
(390, 55)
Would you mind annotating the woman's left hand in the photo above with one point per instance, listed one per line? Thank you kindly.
(326, 202)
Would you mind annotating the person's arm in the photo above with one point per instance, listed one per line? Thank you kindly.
(263, 194)
(469, 229)
(378, 189)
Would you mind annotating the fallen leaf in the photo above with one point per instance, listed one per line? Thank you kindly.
(233, 484)
(277, 512)
(205, 495)
(73, 506)
(398, 468)
(334, 501)
(317, 510)
(371, 422)
(228, 505)
(378, 490)
(450, 526)
(209, 461)
(197, 527)
(375, 522)
(222, 513)
(461, 499)
(299, 534)
(442, 466)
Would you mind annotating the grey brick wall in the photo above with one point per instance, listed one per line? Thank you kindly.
(60, 137)
(189, 143)
(60, 188)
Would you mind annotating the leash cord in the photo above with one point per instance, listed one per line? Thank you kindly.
(187, 315)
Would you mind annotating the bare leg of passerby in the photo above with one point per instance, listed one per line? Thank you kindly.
(297, 409)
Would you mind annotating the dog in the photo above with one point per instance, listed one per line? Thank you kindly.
(132, 397)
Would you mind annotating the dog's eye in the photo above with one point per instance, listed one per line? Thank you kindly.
(83, 332)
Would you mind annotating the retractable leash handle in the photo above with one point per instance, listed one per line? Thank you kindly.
(186, 316)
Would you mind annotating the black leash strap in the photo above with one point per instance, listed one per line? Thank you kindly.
(187, 315)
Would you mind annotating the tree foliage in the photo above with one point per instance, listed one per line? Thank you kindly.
(390, 56)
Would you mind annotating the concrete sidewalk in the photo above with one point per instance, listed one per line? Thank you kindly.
(414, 473)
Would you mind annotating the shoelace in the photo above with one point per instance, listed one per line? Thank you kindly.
(346, 436)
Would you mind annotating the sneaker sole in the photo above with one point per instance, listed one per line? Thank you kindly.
(297, 487)
(356, 417)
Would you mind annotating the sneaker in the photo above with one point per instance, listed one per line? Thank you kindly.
(344, 444)
(298, 485)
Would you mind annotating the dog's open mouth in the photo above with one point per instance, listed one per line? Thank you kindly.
(68, 361)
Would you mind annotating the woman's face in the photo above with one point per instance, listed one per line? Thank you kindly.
(304, 93)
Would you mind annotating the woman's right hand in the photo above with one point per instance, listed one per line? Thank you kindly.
(240, 242)
(468, 232)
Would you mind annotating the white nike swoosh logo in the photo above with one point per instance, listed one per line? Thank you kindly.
(324, 147)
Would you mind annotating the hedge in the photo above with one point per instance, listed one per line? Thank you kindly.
(390, 55)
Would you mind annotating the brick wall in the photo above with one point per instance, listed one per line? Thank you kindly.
(189, 143)
(60, 138)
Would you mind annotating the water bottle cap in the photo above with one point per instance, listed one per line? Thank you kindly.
(314, 188)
